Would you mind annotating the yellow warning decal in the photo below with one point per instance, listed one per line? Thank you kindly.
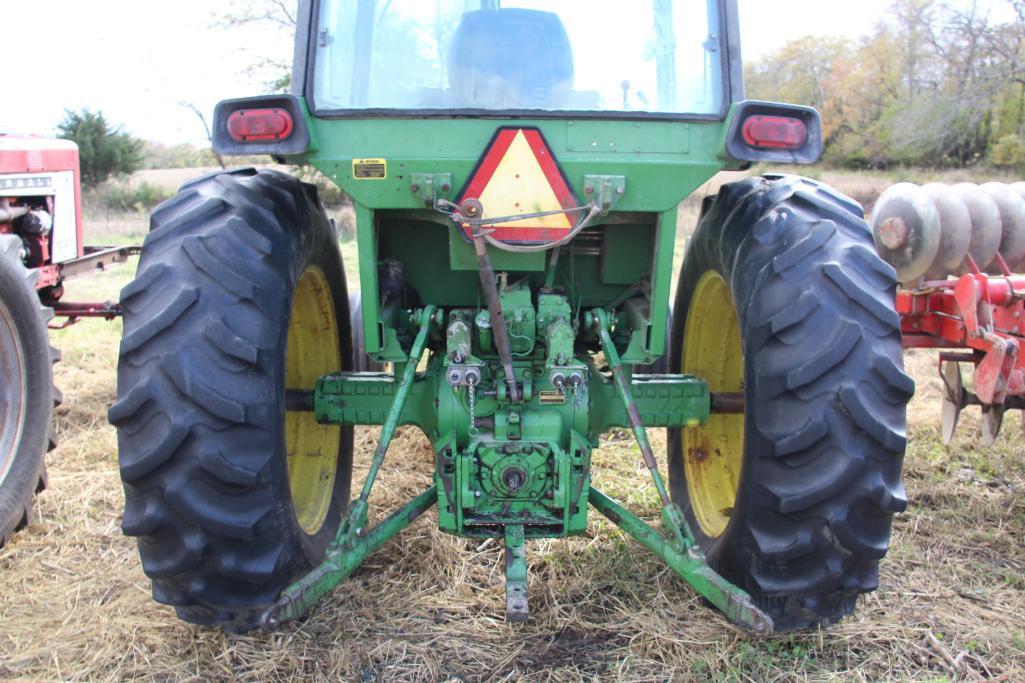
(370, 169)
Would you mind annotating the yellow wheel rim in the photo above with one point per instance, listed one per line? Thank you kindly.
(712, 454)
(312, 352)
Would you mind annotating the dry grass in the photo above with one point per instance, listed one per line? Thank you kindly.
(75, 604)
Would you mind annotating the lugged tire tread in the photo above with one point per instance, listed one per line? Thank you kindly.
(805, 305)
(229, 343)
(25, 480)
(814, 430)
(159, 322)
(159, 450)
(184, 370)
(865, 415)
(197, 408)
(834, 351)
(817, 237)
(882, 311)
(204, 260)
(824, 461)
(196, 214)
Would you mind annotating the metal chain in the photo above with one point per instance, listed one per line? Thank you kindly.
(472, 399)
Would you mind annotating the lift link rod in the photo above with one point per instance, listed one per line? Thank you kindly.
(391, 422)
(673, 518)
(471, 209)
(676, 545)
(353, 544)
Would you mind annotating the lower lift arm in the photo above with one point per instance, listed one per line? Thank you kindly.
(676, 544)
(353, 543)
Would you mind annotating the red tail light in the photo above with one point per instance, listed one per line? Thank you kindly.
(260, 125)
(775, 132)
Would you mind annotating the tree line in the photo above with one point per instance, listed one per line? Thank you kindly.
(935, 84)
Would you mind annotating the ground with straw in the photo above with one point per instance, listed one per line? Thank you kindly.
(74, 603)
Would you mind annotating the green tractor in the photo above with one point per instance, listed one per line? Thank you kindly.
(516, 167)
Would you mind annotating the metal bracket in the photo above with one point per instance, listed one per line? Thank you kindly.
(516, 608)
(514, 426)
(430, 187)
(604, 190)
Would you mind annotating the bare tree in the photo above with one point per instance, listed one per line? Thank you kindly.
(277, 16)
(206, 127)
(279, 13)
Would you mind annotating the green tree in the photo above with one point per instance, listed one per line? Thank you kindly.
(934, 84)
(104, 150)
(804, 71)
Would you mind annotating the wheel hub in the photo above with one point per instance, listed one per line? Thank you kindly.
(312, 353)
(713, 453)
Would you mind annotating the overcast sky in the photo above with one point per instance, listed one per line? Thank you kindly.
(137, 60)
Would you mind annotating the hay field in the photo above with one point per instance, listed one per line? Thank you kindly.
(75, 605)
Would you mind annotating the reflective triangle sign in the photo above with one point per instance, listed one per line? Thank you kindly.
(518, 175)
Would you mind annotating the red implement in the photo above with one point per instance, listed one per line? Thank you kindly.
(984, 314)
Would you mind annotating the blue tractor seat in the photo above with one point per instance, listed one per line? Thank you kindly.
(527, 51)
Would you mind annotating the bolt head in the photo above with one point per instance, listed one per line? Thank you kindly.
(894, 233)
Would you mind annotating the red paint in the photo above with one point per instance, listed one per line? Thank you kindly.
(44, 155)
(48, 277)
(984, 313)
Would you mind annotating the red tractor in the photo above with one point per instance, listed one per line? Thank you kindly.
(40, 246)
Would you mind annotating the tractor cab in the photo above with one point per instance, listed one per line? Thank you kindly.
(555, 120)
(455, 56)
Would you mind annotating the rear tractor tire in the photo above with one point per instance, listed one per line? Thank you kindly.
(362, 362)
(783, 300)
(27, 394)
(240, 295)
